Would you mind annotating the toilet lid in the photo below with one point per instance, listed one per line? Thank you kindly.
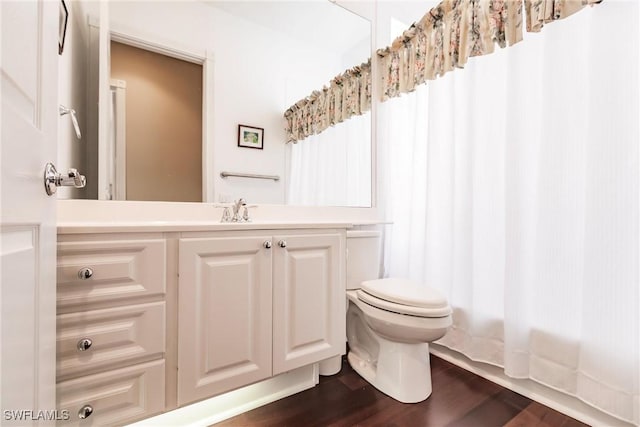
(403, 292)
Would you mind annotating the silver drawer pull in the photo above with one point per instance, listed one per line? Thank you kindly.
(85, 273)
(267, 244)
(85, 411)
(84, 344)
(282, 243)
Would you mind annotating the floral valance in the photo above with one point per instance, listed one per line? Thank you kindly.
(348, 94)
(444, 39)
(455, 30)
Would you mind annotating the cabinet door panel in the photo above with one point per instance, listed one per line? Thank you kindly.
(224, 315)
(308, 300)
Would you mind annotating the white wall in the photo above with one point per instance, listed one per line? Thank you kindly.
(408, 11)
(71, 89)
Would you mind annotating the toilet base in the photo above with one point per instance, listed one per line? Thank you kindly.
(401, 371)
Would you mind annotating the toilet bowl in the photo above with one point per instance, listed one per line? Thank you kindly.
(390, 323)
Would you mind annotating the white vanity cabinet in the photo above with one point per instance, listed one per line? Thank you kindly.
(152, 320)
(256, 304)
(110, 327)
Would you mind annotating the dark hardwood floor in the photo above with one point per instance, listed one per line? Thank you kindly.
(459, 399)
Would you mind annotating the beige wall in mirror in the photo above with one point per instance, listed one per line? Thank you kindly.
(255, 59)
(162, 125)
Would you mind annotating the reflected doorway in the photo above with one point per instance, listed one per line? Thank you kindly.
(156, 126)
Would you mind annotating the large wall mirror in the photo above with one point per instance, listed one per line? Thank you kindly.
(162, 90)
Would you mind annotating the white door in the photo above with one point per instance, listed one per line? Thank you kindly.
(308, 300)
(224, 315)
(29, 64)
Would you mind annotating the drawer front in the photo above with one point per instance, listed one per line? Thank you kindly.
(119, 270)
(112, 336)
(114, 397)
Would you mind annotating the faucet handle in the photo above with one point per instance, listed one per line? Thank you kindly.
(245, 214)
(226, 215)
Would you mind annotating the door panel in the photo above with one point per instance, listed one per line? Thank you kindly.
(18, 250)
(308, 300)
(224, 315)
(20, 70)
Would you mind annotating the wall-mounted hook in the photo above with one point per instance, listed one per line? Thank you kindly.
(74, 119)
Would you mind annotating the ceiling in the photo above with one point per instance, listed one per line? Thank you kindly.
(319, 22)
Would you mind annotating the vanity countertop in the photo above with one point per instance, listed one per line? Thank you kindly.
(93, 216)
(183, 226)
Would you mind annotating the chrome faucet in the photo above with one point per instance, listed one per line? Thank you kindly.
(236, 210)
(236, 207)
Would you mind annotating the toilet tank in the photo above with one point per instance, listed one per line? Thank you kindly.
(364, 256)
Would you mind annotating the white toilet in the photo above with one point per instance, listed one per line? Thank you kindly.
(390, 323)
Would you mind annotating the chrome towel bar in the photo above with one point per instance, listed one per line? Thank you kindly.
(249, 175)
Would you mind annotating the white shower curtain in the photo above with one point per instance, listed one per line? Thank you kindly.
(333, 168)
(513, 188)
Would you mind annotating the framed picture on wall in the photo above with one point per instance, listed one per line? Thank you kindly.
(250, 137)
(62, 25)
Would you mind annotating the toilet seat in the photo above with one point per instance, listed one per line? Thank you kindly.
(404, 297)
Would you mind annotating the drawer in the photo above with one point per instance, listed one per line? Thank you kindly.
(120, 270)
(117, 335)
(114, 397)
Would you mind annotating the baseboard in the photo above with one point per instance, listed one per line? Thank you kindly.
(554, 399)
(228, 405)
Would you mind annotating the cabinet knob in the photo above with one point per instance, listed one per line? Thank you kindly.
(85, 273)
(85, 411)
(282, 243)
(84, 344)
(267, 244)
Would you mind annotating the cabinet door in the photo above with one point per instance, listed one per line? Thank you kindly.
(308, 299)
(224, 320)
